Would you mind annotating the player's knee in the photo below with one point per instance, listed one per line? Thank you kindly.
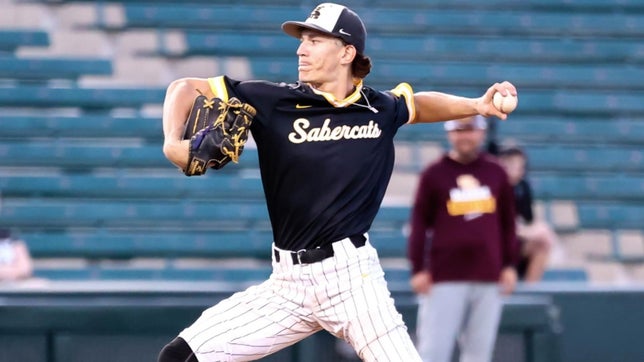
(177, 351)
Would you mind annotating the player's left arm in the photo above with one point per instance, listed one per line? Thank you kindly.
(439, 107)
(178, 101)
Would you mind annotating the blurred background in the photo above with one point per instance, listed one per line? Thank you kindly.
(125, 250)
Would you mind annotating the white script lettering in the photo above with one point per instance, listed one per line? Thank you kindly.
(301, 132)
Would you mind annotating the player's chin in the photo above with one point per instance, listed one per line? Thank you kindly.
(304, 77)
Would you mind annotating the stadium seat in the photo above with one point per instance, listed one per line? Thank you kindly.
(241, 275)
(580, 158)
(565, 275)
(610, 215)
(61, 212)
(614, 217)
(85, 155)
(580, 187)
(205, 214)
(172, 243)
(52, 68)
(12, 39)
(84, 98)
(134, 184)
(91, 154)
(570, 129)
(91, 126)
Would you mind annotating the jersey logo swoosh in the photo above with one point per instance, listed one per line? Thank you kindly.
(300, 106)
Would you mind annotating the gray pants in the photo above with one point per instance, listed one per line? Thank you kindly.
(465, 312)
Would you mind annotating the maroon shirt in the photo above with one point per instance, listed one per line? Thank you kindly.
(463, 221)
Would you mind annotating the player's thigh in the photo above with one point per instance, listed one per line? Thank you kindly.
(376, 330)
(247, 326)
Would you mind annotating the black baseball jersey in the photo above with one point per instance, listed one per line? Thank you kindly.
(325, 163)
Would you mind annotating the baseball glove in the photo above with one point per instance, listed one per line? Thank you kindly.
(217, 131)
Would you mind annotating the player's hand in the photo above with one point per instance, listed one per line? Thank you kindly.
(508, 280)
(421, 282)
(485, 105)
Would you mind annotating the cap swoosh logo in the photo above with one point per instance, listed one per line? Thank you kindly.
(341, 31)
(300, 106)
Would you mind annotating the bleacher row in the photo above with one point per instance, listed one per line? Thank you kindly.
(84, 176)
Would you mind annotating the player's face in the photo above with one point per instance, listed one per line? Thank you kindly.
(319, 58)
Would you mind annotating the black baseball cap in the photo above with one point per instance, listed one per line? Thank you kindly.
(332, 19)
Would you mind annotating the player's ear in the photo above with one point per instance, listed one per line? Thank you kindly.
(348, 53)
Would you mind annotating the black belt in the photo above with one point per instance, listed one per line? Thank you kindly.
(318, 254)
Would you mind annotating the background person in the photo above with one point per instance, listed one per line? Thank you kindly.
(462, 247)
(15, 259)
(536, 236)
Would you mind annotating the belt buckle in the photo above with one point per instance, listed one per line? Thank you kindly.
(299, 255)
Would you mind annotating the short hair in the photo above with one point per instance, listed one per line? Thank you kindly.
(512, 151)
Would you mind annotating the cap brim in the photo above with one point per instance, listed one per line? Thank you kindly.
(295, 28)
(454, 125)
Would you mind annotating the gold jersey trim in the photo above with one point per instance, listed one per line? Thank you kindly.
(405, 90)
(218, 87)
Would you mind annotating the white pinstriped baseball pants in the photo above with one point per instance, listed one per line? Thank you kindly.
(345, 294)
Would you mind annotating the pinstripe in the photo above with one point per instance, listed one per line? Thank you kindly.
(347, 295)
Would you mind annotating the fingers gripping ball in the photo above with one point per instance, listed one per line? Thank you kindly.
(505, 104)
(217, 131)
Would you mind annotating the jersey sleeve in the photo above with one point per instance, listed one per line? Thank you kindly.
(259, 94)
(405, 101)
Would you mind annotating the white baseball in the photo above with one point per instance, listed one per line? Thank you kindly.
(505, 104)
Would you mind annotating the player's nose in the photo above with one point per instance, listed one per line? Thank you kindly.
(301, 50)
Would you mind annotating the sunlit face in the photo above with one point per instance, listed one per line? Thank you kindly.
(515, 167)
(319, 57)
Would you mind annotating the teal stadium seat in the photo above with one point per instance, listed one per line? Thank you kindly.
(230, 275)
(91, 125)
(589, 158)
(77, 212)
(586, 129)
(588, 187)
(609, 215)
(52, 68)
(168, 213)
(565, 275)
(12, 39)
(132, 183)
(84, 98)
(120, 243)
(93, 154)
